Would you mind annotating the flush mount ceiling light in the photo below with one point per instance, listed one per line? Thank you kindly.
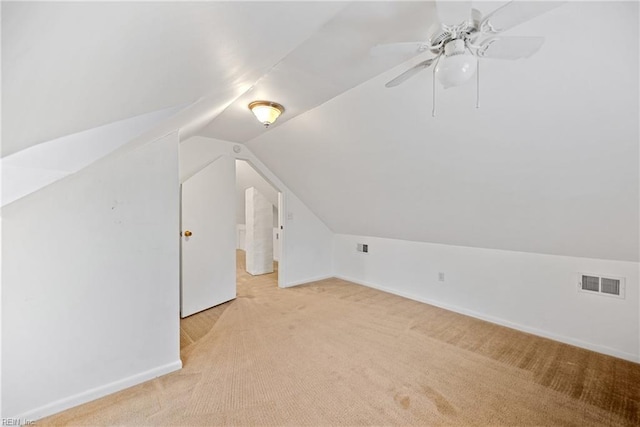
(266, 112)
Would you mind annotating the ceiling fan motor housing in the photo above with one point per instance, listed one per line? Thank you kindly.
(447, 34)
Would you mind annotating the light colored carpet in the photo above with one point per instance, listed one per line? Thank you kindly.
(195, 327)
(335, 353)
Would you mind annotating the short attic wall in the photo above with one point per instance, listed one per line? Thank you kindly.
(90, 282)
(534, 293)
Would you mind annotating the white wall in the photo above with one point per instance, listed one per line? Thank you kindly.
(241, 236)
(306, 254)
(531, 292)
(90, 282)
(307, 244)
(1, 400)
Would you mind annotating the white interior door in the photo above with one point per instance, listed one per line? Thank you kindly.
(208, 269)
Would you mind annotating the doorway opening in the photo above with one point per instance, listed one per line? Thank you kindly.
(213, 211)
(258, 224)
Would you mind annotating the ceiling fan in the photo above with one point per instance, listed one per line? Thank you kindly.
(463, 35)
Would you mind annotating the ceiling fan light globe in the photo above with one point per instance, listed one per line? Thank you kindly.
(456, 70)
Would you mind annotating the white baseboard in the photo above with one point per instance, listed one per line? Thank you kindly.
(309, 280)
(97, 392)
(541, 333)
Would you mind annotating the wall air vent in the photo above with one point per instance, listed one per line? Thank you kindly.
(610, 286)
(362, 247)
(590, 283)
(598, 285)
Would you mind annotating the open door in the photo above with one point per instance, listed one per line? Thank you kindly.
(208, 242)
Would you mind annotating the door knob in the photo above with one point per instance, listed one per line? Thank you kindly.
(188, 233)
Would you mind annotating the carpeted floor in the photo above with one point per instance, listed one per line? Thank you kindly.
(335, 353)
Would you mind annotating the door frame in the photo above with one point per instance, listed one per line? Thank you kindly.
(282, 235)
(281, 210)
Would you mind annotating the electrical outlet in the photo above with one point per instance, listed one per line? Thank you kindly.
(441, 277)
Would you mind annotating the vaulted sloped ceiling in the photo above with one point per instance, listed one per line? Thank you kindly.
(72, 66)
(332, 60)
(547, 164)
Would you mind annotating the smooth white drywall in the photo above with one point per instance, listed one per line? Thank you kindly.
(37, 166)
(531, 292)
(307, 244)
(306, 252)
(246, 177)
(1, 413)
(90, 282)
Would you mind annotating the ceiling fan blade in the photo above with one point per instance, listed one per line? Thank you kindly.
(501, 47)
(514, 13)
(410, 72)
(453, 12)
(403, 48)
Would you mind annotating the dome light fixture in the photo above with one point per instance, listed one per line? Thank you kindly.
(266, 112)
(457, 64)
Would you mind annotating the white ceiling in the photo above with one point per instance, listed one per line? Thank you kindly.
(332, 60)
(71, 66)
(548, 164)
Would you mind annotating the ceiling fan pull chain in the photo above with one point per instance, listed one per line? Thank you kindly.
(478, 85)
(433, 91)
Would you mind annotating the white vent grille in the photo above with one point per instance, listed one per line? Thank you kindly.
(610, 286)
(598, 285)
(590, 283)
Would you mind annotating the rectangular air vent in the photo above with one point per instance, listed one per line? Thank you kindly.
(598, 285)
(362, 247)
(610, 286)
(590, 283)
